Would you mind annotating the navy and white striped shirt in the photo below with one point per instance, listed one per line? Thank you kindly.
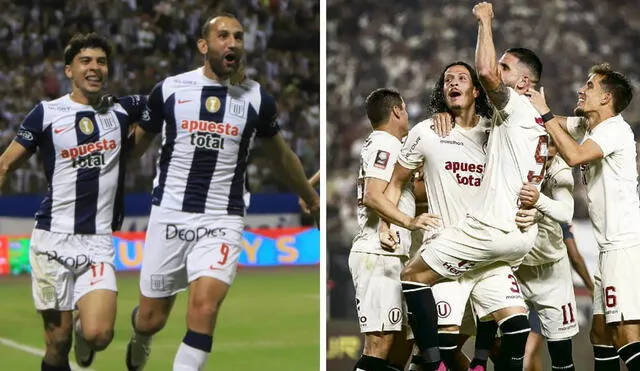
(81, 152)
(207, 130)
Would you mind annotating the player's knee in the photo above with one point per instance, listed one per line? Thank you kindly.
(599, 335)
(150, 321)
(201, 307)
(618, 337)
(99, 337)
(409, 273)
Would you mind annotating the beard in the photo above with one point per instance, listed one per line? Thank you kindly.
(216, 62)
(579, 111)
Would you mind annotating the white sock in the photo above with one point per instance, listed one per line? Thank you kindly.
(189, 358)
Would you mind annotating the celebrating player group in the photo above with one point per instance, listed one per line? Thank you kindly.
(208, 118)
(490, 260)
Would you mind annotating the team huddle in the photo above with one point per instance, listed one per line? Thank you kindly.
(209, 118)
(489, 255)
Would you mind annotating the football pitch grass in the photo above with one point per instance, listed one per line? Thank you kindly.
(270, 320)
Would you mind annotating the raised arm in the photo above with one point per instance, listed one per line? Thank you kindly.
(559, 131)
(486, 60)
(572, 152)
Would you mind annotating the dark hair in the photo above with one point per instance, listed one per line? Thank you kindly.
(204, 31)
(438, 103)
(380, 103)
(82, 41)
(615, 83)
(528, 58)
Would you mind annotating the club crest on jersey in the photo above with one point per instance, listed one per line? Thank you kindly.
(382, 157)
(107, 122)
(212, 104)
(236, 108)
(86, 126)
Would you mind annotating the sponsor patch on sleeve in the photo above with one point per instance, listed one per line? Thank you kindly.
(382, 157)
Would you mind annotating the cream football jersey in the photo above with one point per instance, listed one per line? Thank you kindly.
(612, 185)
(549, 246)
(377, 160)
(453, 166)
(516, 154)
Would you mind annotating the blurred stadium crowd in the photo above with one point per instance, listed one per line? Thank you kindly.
(154, 39)
(405, 45)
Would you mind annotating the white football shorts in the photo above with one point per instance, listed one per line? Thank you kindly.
(181, 247)
(65, 267)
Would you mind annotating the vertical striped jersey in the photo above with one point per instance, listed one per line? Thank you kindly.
(207, 130)
(82, 155)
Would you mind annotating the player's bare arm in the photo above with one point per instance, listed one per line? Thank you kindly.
(383, 198)
(313, 181)
(486, 60)
(578, 264)
(142, 139)
(285, 162)
(572, 152)
(13, 157)
(539, 102)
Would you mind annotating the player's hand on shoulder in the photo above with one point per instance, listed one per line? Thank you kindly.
(106, 101)
(525, 218)
(425, 221)
(528, 195)
(443, 123)
(538, 100)
(483, 11)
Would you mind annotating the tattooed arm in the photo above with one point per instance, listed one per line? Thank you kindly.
(486, 61)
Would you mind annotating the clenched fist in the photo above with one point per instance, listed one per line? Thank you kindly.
(483, 11)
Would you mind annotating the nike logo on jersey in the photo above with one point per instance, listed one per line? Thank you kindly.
(213, 268)
(60, 130)
(96, 282)
(180, 101)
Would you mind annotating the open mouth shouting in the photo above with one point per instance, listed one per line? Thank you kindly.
(230, 59)
(453, 93)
